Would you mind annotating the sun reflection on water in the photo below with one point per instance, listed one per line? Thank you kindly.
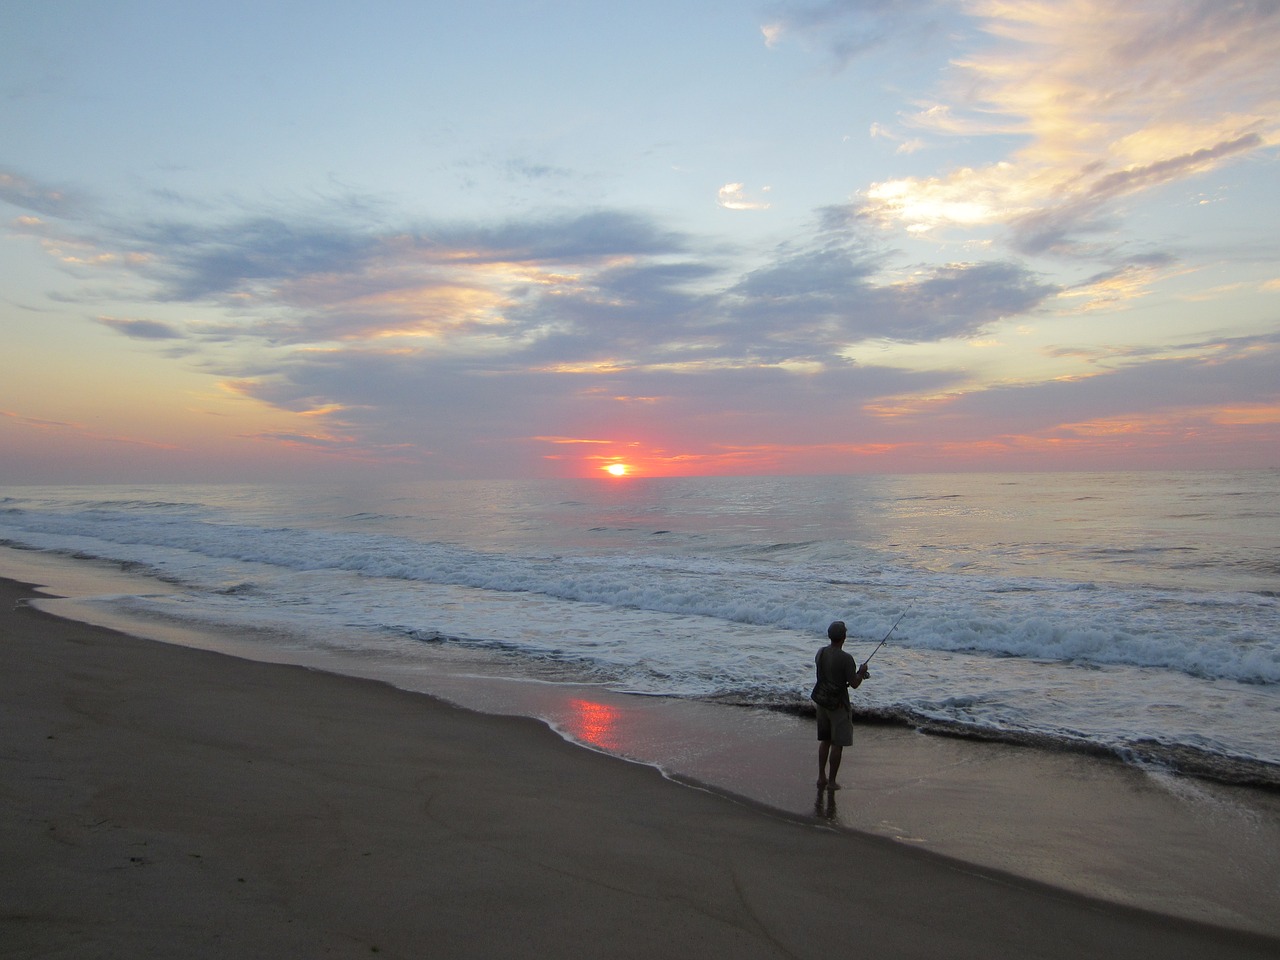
(594, 723)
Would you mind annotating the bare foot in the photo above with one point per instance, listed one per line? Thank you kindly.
(832, 785)
(822, 782)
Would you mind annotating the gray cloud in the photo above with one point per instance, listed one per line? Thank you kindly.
(195, 261)
(1208, 37)
(42, 198)
(1055, 229)
(589, 236)
(460, 342)
(472, 416)
(841, 296)
(849, 29)
(525, 169)
(1235, 371)
(549, 290)
(643, 311)
(202, 262)
(141, 329)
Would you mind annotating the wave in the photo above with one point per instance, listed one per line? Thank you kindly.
(782, 585)
(1145, 752)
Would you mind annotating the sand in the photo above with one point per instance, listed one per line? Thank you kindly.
(161, 801)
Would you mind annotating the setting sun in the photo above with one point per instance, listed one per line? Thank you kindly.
(617, 469)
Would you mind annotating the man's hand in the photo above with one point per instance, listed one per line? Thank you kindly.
(863, 672)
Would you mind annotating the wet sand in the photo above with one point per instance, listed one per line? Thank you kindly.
(159, 800)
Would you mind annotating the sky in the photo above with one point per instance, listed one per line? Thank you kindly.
(416, 240)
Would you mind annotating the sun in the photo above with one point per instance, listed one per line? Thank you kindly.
(617, 469)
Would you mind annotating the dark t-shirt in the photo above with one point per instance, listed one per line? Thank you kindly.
(836, 666)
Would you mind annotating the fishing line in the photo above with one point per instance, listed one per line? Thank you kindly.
(886, 637)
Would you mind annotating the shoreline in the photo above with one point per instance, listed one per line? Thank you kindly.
(1180, 761)
(1077, 823)
(161, 797)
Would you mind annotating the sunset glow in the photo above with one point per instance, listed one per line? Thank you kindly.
(594, 723)
(964, 236)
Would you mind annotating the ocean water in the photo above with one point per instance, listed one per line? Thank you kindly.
(1132, 614)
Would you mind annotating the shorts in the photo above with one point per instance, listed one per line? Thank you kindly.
(836, 725)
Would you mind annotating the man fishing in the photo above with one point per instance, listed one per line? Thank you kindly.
(837, 672)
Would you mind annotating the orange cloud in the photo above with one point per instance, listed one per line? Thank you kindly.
(1109, 100)
(83, 432)
(570, 440)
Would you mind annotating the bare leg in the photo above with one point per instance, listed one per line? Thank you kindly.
(837, 752)
(824, 750)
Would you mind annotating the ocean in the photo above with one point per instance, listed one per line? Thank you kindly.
(1135, 615)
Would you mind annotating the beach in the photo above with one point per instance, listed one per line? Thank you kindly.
(166, 801)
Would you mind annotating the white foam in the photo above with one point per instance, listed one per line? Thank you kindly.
(694, 612)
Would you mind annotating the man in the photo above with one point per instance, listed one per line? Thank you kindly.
(835, 726)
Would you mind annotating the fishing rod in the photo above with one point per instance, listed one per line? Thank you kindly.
(886, 637)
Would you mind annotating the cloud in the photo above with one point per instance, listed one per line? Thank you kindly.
(1212, 375)
(40, 423)
(141, 329)
(459, 343)
(592, 235)
(879, 131)
(524, 169)
(28, 194)
(1105, 100)
(482, 417)
(303, 278)
(543, 292)
(378, 334)
(732, 197)
(196, 261)
(838, 295)
(1051, 229)
(81, 431)
(848, 29)
(1128, 279)
(635, 312)
(1197, 404)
